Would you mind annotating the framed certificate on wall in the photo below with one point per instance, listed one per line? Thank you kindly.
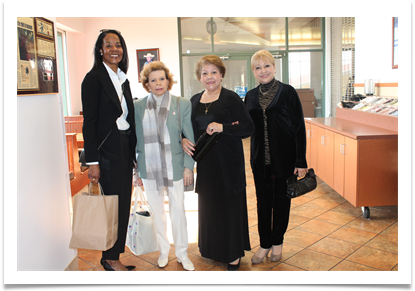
(36, 57)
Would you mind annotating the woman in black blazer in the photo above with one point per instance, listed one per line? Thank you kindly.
(109, 125)
(278, 149)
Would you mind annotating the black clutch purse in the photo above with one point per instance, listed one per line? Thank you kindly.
(203, 145)
(296, 188)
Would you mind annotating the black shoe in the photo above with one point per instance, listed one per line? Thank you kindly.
(129, 268)
(234, 267)
(107, 266)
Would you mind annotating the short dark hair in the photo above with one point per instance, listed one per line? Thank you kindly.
(123, 65)
(210, 59)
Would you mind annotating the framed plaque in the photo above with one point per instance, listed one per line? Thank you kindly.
(36, 56)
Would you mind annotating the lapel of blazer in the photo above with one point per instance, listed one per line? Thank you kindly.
(109, 87)
(128, 97)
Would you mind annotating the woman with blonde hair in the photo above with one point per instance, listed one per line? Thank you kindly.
(278, 150)
(221, 182)
(161, 166)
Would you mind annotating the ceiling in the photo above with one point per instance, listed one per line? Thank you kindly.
(256, 31)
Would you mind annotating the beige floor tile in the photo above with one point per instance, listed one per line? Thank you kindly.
(334, 196)
(254, 240)
(349, 209)
(296, 220)
(302, 199)
(285, 267)
(334, 247)
(318, 227)
(301, 238)
(372, 225)
(322, 203)
(391, 230)
(253, 229)
(374, 258)
(140, 265)
(313, 261)
(307, 211)
(385, 243)
(395, 268)
(353, 235)
(84, 266)
(352, 266)
(336, 217)
(253, 213)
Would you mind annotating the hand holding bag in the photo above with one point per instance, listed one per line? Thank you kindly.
(141, 233)
(296, 188)
(95, 221)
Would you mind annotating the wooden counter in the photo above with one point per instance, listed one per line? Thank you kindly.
(353, 129)
(359, 161)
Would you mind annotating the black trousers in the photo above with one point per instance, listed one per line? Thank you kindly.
(116, 179)
(273, 208)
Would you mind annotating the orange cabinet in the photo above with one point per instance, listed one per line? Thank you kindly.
(359, 161)
(345, 167)
(324, 142)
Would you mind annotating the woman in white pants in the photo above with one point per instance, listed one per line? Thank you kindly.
(161, 165)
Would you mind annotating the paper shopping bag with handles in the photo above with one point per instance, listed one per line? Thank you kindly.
(95, 221)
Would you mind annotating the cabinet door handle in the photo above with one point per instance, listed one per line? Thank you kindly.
(308, 133)
(342, 149)
(322, 139)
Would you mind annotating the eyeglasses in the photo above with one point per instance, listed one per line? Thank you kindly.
(105, 30)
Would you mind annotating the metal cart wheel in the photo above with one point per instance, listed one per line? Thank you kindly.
(366, 212)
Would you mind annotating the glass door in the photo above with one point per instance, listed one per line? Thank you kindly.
(238, 76)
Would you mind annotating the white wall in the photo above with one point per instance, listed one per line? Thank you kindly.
(374, 50)
(138, 32)
(43, 191)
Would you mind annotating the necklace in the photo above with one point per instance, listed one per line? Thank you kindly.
(207, 107)
(275, 81)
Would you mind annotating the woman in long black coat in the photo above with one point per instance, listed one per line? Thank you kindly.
(221, 182)
(278, 150)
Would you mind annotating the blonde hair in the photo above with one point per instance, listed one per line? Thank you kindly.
(210, 59)
(155, 66)
(264, 55)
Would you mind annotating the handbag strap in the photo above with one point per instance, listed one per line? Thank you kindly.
(180, 124)
(138, 193)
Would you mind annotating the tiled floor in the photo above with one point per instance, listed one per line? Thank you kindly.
(325, 233)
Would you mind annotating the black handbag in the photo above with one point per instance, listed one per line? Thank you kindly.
(296, 188)
(203, 145)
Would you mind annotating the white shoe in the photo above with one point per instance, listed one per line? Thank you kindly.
(163, 260)
(187, 264)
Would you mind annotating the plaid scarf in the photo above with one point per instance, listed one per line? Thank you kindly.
(157, 143)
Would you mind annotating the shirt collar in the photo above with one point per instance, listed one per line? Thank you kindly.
(120, 74)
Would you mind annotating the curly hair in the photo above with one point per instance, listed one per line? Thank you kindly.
(155, 66)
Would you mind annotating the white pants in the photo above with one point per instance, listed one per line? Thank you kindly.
(177, 216)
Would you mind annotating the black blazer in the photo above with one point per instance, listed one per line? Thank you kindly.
(231, 153)
(286, 132)
(101, 108)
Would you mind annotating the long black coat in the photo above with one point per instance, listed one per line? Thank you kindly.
(286, 132)
(232, 163)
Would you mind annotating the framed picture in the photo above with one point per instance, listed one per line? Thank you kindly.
(36, 57)
(146, 56)
(394, 42)
(27, 66)
(44, 27)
